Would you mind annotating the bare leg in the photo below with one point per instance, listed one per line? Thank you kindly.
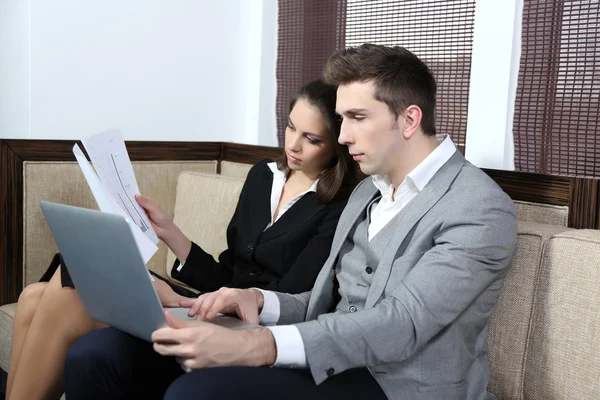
(59, 321)
(26, 306)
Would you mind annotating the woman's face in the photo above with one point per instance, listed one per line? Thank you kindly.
(308, 144)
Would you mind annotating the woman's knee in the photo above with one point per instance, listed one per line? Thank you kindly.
(32, 293)
(29, 300)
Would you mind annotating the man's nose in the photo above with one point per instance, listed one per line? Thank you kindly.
(345, 137)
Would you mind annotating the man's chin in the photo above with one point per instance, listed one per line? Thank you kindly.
(366, 169)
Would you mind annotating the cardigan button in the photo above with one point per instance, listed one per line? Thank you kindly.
(369, 270)
(352, 309)
(250, 248)
(330, 372)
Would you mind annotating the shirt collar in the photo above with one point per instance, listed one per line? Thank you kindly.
(422, 174)
(280, 175)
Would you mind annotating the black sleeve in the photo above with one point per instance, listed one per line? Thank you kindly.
(201, 271)
(302, 275)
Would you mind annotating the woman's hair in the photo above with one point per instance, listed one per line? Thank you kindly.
(340, 176)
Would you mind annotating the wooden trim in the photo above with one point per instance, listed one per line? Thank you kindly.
(584, 203)
(61, 150)
(11, 224)
(247, 153)
(536, 188)
(582, 195)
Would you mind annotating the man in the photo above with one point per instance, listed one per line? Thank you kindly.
(400, 309)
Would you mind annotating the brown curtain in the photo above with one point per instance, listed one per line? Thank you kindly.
(558, 94)
(440, 32)
(309, 32)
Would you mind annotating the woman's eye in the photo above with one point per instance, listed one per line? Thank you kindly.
(291, 127)
(312, 140)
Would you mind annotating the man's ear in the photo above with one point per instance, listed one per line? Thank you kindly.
(412, 121)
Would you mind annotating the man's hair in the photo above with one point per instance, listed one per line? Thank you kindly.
(401, 79)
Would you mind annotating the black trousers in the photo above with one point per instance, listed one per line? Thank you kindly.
(110, 364)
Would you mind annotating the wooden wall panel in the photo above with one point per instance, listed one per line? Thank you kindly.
(11, 224)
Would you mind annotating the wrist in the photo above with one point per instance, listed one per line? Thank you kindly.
(260, 299)
(179, 244)
(262, 350)
(169, 232)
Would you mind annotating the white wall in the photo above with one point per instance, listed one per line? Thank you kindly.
(197, 70)
(159, 70)
(493, 85)
(260, 54)
(14, 69)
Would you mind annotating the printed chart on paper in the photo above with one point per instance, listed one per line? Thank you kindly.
(110, 159)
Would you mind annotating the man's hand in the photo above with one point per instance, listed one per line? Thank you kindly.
(199, 344)
(166, 295)
(246, 303)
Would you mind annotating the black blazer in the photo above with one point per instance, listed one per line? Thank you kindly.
(286, 257)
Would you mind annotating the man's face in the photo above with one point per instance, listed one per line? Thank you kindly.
(372, 133)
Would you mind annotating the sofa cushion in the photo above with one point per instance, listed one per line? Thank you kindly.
(542, 213)
(563, 358)
(211, 200)
(7, 312)
(235, 169)
(509, 324)
(63, 182)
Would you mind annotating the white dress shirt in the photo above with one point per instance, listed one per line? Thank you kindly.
(276, 190)
(290, 347)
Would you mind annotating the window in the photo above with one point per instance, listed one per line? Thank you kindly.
(440, 32)
(558, 94)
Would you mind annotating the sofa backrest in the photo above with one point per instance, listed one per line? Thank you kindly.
(509, 325)
(204, 206)
(235, 169)
(543, 333)
(542, 213)
(563, 352)
(63, 182)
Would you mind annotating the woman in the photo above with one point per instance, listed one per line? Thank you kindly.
(279, 237)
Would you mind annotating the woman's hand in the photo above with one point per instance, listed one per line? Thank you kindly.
(165, 229)
(246, 303)
(161, 222)
(166, 295)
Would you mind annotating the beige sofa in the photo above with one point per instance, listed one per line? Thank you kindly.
(544, 336)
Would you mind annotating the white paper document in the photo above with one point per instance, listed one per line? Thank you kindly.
(115, 186)
(112, 164)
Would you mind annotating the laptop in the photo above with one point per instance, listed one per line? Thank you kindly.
(105, 265)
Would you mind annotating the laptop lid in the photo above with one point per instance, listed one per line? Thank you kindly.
(106, 268)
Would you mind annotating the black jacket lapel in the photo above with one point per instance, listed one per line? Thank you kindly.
(301, 212)
(260, 209)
